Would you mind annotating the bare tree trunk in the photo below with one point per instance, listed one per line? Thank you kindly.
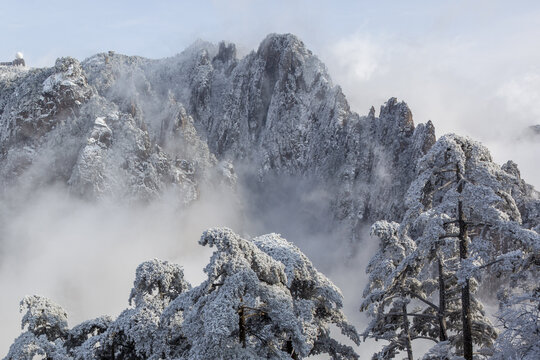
(442, 304)
(465, 290)
(408, 345)
(242, 326)
(290, 350)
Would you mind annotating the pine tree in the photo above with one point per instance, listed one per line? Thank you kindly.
(262, 299)
(46, 327)
(134, 334)
(463, 221)
(519, 312)
(462, 197)
(317, 301)
(386, 294)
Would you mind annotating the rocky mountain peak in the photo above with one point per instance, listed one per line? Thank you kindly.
(277, 45)
(226, 53)
(398, 115)
(133, 127)
(512, 168)
(36, 103)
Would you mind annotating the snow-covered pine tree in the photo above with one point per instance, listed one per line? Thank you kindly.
(317, 301)
(134, 334)
(461, 205)
(386, 295)
(420, 274)
(403, 294)
(519, 312)
(442, 242)
(262, 299)
(520, 319)
(463, 221)
(46, 328)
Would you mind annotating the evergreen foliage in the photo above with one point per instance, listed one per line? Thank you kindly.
(460, 222)
(262, 299)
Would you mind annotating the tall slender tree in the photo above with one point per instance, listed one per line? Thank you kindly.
(462, 220)
(386, 294)
(458, 180)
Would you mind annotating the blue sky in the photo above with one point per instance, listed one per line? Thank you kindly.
(473, 67)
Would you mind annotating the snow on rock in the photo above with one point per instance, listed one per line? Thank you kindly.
(104, 151)
(128, 128)
(277, 110)
(198, 117)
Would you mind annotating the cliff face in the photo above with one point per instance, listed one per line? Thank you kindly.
(133, 128)
(56, 127)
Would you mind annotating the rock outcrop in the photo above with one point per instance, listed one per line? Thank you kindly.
(129, 127)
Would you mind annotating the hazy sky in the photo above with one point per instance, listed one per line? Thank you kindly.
(472, 67)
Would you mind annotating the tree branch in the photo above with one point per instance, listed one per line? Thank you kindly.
(445, 185)
(489, 264)
(254, 314)
(425, 337)
(450, 222)
(425, 301)
(413, 314)
(444, 170)
(448, 236)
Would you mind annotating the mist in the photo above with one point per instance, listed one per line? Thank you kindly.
(471, 68)
(82, 254)
(485, 85)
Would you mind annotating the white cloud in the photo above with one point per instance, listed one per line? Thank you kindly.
(463, 84)
(522, 97)
(356, 56)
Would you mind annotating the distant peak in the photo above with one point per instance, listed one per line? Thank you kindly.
(280, 41)
(511, 167)
(372, 112)
(226, 52)
(400, 111)
(200, 45)
(64, 63)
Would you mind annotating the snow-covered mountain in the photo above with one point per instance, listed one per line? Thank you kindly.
(270, 128)
(132, 128)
